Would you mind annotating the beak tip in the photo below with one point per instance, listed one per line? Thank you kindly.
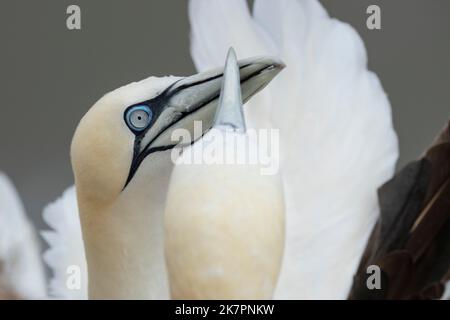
(231, 54)
(271, 65)
(280, 65)
(277, 64)
(230, 111)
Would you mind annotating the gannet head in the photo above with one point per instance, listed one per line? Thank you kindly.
(121, 163)
(128, 125)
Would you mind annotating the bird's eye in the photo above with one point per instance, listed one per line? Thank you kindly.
(138, 117)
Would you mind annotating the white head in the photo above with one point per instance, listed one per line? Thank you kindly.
(121, 162)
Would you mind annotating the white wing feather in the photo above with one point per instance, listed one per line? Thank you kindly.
(337, 140)
(21, 270)
(446, 294)
(65, 255)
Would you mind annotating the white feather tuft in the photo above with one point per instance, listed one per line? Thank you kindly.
(336, 136)
(21, 270)
(65, 255)
(446, 294)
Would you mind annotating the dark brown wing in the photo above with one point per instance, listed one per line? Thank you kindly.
(411, 240)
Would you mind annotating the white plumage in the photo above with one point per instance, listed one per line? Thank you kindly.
(66, 247)
(337, 141)
(21, 270)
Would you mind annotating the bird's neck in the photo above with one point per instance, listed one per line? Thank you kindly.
(124, 242)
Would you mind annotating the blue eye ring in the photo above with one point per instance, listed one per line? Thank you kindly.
(138, 117)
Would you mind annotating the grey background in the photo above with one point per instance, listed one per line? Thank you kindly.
(50, 76)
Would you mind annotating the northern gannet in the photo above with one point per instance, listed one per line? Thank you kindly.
(337, 147)
(121, 162)
(224, 221)
(337, 140)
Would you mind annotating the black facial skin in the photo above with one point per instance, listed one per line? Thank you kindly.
(157, 106)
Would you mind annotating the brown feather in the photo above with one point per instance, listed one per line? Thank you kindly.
(411, 240)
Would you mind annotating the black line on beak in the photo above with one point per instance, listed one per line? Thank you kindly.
(160, 101)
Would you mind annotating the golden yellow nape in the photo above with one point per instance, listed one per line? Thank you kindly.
(224, 220)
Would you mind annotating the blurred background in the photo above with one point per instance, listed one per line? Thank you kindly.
(50, 76)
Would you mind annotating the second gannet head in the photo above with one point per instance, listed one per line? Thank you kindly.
(224, 221)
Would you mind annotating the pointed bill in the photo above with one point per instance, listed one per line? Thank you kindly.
(230, 113)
